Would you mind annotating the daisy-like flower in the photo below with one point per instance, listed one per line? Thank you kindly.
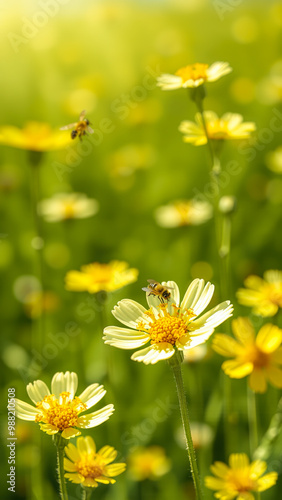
(257, 356)
(34, 136)
(193, 75)
(66, 206)
(240, 479)
(229, 127)
(183, 213)
(167, 325)
(89, 467)
(148, 463)
(263, 295)
(60, 410)
(98, 277)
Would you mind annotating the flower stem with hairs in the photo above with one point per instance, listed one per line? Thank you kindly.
(60, 444)
(175, 363)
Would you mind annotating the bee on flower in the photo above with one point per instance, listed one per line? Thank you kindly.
(86, 466)
(258, 356)
(229, 127)
(240, 479)
(167, 326)
(66, 206)
(60, 411)
(263, 295)
(193, 75)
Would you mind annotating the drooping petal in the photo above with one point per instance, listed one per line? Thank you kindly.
(70, 432)
(154, 353)
(257, 381)
(188, 342)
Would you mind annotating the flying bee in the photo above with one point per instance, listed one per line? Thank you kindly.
(160, 291)
(79, 128)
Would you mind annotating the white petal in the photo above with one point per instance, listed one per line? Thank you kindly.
(64, 382)
(92, 394)
(37, 391)
(124, 338)
(215, 316)
(154, 353)
(25, 411)
(95, 418)
(192, 294)
(200, 304)
(186, 343)
(130, 313)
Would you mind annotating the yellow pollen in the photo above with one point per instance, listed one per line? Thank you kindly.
(167, 329)
(62, 413)
(89, 468)
(69, 210)
(193, 72)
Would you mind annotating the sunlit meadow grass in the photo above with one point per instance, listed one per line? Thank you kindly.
(138, 180)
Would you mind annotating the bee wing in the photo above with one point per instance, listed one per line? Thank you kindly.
(82, 115)
(90, 130)
(67, 127)
(153, 282)
(146, 289)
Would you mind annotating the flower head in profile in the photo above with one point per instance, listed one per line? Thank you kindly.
(183, 213)
(193, 75)
(264, 296)
(229, 127)
(66, 206)
(240, 479)
(86, 466)
(34, 136)
(148, 462)
(257, 356)
(97, 277)
(60, 410)
(167, 325)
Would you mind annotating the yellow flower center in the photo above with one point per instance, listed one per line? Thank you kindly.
(167, 328)
(259, 358)
(193, 72)
(183, 209)
(240, 481)
(69, 210)
(101, 273)
(89, 468)
(273, 293)
(62, 413)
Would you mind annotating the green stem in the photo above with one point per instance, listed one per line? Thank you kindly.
(253, 426)
(38, 240)
(175, 363)
(86, 493)
(60, 444)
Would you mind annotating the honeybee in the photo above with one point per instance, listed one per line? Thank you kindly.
(79, 128)
(160, 291)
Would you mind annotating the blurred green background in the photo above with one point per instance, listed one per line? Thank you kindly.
(104, 56)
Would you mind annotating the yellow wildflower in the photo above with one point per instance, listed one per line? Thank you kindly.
(240, 479)
(257, 356)
(34, 136)
(193, 75)
(263, 295)
(148, 463)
